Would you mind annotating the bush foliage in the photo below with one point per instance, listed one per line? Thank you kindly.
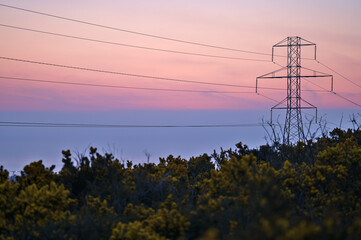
(310, 190)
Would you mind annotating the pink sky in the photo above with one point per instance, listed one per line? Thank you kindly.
(250, 25)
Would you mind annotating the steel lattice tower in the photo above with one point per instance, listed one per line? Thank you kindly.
(293, 128)
(293, 123)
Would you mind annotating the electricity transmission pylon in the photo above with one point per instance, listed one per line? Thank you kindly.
(293, 103)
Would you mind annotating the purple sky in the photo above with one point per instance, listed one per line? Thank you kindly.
(246, 25)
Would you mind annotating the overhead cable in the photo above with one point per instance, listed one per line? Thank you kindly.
(91, 125)
(269, 98)
(133, 46)
(134, 32)
(116, 86)
(121, 73)
(136, 75)
(347, 99)
(354, 83)
(326, 90)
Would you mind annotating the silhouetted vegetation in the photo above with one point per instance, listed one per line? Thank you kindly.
(308, 191)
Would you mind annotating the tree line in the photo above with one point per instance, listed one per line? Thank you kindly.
(311, 190)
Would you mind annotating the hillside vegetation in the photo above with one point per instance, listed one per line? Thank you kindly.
(308, 191)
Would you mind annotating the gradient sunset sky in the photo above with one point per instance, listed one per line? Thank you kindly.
(248, 25)
(255, 25)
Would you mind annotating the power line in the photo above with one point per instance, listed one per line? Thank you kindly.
(305, 90)
(116, 86)
(138, 75)
(315, 84)
(347, 99)
(135, 32)
(269, 98)
(339, 74)
(122, 73)
(89, 125)
(133, 46)
(325, 90)
(135, 88)
(335, 93)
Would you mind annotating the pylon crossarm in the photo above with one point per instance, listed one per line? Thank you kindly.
(301, 108)
(285, 43)
(276, 107)
(274, 77)
(264, 76)
(315, 71)
(280, 42)
(278, 104)
(276, 45)
(276, 71)
(310, 43)
(290, 45)
(311, 76)
(287, 38)
(321, 74)
(309, 104)
(271, 73)
(301, 76)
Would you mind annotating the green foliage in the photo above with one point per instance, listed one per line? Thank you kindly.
(310, 190)
(25, 211)
(134, 231)
(4, 174)
(94, 220)
(36, 173)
